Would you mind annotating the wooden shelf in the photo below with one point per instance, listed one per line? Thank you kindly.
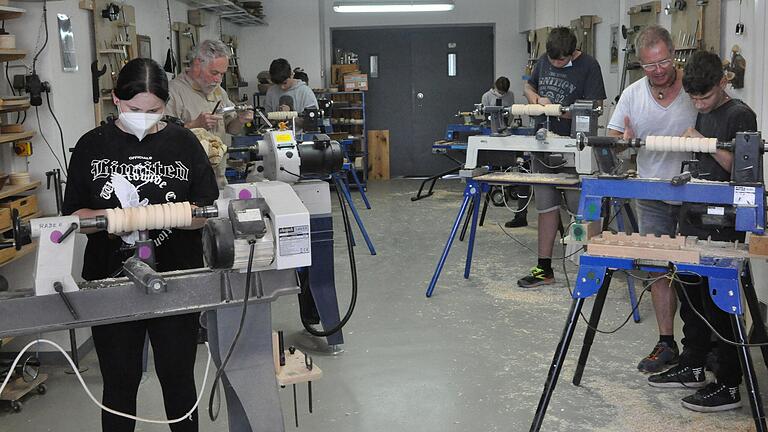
(25, 250)
(111, 51)
(14, 108)
(12, 190)
(7, 55)
(8, 12)
(12, 137)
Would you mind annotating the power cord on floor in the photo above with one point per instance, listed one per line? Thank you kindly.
(90, 395)
(674, 277)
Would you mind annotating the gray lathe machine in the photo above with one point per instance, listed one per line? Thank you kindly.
(584, 116)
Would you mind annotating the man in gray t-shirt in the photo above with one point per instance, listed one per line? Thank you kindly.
(656, 105)
(287, 93)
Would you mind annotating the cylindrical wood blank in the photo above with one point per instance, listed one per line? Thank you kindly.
(282, 115)
(680, 144)
(151, 217)
(552, 110)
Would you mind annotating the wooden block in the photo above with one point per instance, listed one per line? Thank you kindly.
(295, 370)
(758, 245)
(378, 154)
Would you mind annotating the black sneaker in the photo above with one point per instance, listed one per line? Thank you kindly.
(537, 277)
(713, 398)
(661, 356)
(517, 222)
(679, 376)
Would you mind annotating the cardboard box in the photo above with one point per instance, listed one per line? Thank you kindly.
(355, 81)
(338, 72)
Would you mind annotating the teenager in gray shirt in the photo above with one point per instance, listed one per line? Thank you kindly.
(499, 95)
(288, 93)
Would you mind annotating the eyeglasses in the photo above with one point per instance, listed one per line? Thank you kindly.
(661, 64)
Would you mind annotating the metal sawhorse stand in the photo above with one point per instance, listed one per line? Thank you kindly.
(443, 149)
(728, 278)
(469, 210)
(339, 181)
(349, 167)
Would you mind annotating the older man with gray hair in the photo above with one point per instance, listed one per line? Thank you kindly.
(196, 94)
(657, 105)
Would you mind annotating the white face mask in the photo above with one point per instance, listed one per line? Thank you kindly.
(139, 124)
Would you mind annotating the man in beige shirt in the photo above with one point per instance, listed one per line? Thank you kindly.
(197, 93)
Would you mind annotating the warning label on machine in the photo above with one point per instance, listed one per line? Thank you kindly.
(294, 240)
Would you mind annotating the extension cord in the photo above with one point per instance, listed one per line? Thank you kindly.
(88, 391)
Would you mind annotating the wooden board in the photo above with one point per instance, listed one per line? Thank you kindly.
(638, 246)
(758, 245)
(378, 154)
(17, 388)
(529, 178)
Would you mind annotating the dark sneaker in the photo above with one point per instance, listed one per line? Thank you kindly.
(517, 222)
(537, 277)
(661, 356)
(713, 398)
(679, 376)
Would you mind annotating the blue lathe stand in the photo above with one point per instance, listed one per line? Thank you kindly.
(729, 277)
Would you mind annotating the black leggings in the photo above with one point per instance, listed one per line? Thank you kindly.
(120, 348)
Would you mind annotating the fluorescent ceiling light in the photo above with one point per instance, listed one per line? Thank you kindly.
(403, 6)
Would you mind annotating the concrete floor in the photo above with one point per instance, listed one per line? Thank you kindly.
(474, 357)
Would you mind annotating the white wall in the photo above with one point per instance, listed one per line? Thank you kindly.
(293, 33)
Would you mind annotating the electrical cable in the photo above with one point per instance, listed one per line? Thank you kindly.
(170, 36)
(674, 277)
(504, 194)
(632, 312)
(44, 23)
(61, 133)
(220, 370)
(90, 395)
(352, 269)
(40, 128)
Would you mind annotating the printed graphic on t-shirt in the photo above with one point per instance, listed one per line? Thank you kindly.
(124, 176)
(556, 87)
(144, 171)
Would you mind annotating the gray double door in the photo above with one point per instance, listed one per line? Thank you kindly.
(413, 96)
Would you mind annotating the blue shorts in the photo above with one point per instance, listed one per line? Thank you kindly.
(657, 217)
